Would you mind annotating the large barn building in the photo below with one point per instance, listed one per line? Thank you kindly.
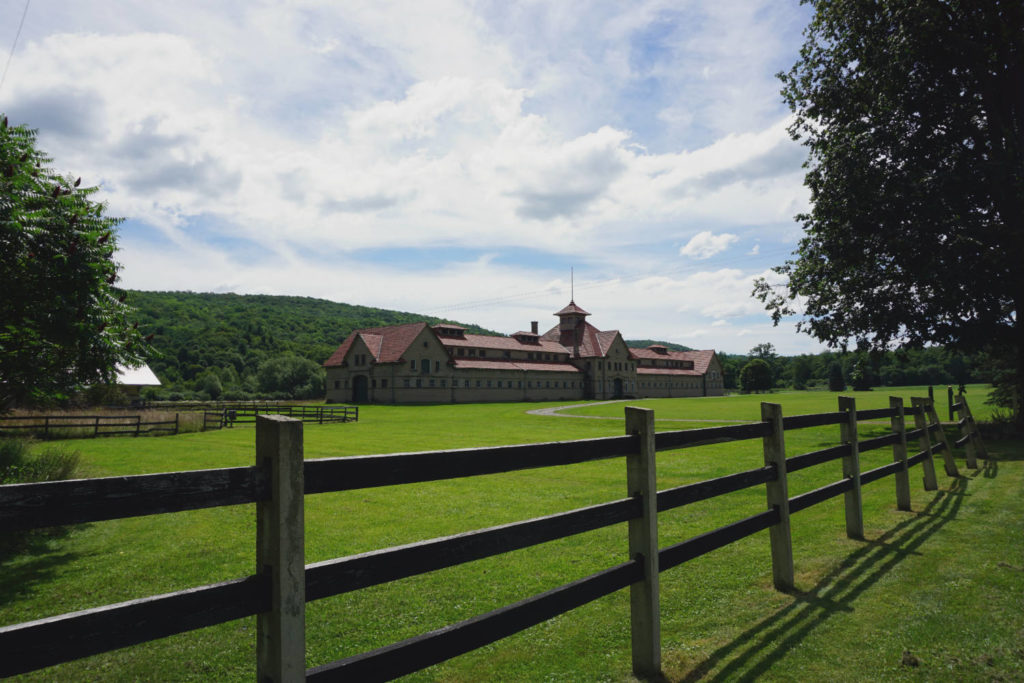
(420, 363)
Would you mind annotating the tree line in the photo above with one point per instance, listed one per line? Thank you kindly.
(762, 369)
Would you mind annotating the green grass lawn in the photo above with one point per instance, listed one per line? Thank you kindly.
(944, 582)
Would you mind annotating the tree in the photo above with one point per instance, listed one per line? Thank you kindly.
(801, 372)
(835, 378)
(913, 116)
(756, 376)
(291, 377)
(63, 323)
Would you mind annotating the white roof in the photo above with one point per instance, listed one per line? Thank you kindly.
(141, 376)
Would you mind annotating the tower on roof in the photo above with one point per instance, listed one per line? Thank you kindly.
(572, 318)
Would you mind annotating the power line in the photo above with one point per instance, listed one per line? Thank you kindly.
(686, 268)
(14, 45)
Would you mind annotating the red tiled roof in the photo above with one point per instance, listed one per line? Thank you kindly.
(593, 342)
(482, 341)
(512, 365)
(387, 344)
(701, 359)
(641, 370)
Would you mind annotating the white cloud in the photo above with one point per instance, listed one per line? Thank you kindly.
(704, 244)
(593, 134)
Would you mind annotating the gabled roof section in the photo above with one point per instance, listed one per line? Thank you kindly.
(593, 342)
(700, 359)
(386, 344)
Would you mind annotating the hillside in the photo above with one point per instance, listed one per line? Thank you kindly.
(233, 334)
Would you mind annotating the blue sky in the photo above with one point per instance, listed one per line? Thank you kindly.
(443, 157)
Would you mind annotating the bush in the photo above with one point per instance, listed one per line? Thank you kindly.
(18, 465)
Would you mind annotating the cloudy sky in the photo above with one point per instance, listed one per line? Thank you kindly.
(436, 156)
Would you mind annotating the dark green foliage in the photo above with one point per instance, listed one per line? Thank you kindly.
(756, 376)
(835, 378)
(231, 335)
(291, 377)
(63, 324)
(912, 114)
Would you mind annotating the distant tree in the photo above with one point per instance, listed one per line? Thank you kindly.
(802, 369)
(860, 375)
(291, 377)
(756, 376)
(835, 378)
(63, 323)
(912, 115)
(211, 385)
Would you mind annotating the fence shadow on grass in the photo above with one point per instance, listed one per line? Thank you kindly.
(761, 646)
(30, 557)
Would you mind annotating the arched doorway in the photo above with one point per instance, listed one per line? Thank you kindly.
(360, 389)
(617, 388)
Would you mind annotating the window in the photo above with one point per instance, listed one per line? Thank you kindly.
(373, 384)
(419, 383)
(425, 365)
(412, 365)
(488, 384)
(444, 383)
(461, 352)
(431, 381)
(337, 384)
(405, 383)
(472, 352)
(437, 366)
(482, 353)
(478, 384)
(383, 384)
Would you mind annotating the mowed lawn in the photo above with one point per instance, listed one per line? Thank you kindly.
(943, 583)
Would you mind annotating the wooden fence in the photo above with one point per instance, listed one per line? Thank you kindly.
(277, 483)
(77, 426)
(247, 414)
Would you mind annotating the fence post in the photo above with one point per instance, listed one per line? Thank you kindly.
(280, 552)
(968, 428)
(176, 423)
(778, 498)
(947, 453)
(138, 424)
(46, 426)
(899, 454)
(949, 400)
(925, 442)
(851, 468)
(96, 427)
(644, 600)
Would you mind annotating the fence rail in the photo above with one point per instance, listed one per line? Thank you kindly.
(64, 426)
(247, 414)
(283, 584)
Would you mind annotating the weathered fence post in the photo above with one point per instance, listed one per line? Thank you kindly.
(967, 429)
(949, 400)
(176, 423)
(778, 498)
(280, 552)
(138, 424)
(851, 468)
(973, 427)
(925, 442)
(644, 600)
(899, 454)
(96, 426)
(947, 452)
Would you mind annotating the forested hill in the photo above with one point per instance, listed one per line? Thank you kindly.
(233, 334)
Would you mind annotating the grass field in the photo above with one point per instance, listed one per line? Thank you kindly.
(944, 582)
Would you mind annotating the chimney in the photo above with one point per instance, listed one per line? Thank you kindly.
(533, 326)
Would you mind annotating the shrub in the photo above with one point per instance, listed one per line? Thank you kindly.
(18, 465)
